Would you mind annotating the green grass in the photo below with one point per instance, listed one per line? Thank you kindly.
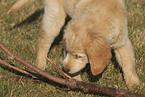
(20, 32)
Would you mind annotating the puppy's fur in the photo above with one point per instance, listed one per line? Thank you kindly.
(96, 27)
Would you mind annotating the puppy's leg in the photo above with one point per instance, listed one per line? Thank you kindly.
(125, 57)
(53, 20)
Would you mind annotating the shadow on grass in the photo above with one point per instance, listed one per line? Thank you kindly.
(36, 15)
(116, 64)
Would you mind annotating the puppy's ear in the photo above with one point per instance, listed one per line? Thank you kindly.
(98, 52)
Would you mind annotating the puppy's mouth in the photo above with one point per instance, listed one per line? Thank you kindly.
(67, 71)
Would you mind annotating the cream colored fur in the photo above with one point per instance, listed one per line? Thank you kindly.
(96, 27)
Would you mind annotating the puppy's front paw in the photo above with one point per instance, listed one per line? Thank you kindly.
(41, 64)
(132, 82)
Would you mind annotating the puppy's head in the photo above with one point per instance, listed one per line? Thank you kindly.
(84, 44)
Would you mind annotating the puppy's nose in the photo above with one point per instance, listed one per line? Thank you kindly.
(65, 69)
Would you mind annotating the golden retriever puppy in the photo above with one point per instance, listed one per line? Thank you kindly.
(96, 27)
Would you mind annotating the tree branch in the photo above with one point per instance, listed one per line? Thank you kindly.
(16, 68)
(73, 84)
(59, 69)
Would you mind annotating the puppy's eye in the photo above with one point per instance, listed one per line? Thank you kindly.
(77, 56)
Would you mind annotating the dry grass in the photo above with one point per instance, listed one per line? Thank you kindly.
(20, 32)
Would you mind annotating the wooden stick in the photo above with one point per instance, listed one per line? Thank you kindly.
(34, 68)
(16, 68)
(78, 85)
(59, 69)
(17, 78)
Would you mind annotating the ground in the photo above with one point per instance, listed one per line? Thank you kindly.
(20, 31)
